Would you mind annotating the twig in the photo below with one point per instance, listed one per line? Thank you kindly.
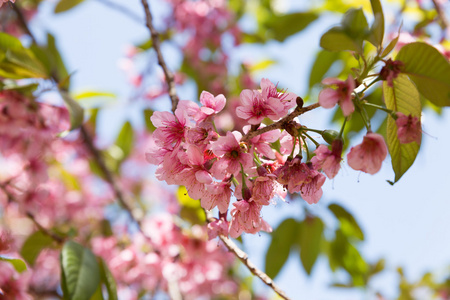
(23, 22)
(157, 46)
(243, 257)
(107, 173)
(123, 9)
(441, 14)
(45, 231)
(279, 124)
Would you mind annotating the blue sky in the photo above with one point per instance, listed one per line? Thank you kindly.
(406, 223)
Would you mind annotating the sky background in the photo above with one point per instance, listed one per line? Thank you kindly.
(408, 223)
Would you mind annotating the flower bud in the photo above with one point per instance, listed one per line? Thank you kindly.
(330, 135)
(246, 193)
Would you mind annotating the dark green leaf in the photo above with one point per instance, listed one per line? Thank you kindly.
(80, 272)
(108, 280)
(349, 226)
(65, 5)
(33, 245)
(310, 239)
(283, 238)
(402, 97)
(17, 263)
(429, 70)
(355, 24)
(57, 64)
(283, 26)
(336, 39)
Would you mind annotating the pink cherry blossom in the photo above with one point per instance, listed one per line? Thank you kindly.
(211, 105)
(246, 218)
(311, 189)
(216, 194)
(254, 107)
(280, 102)
(217, 227)
(369, 155)
(231, 155)
(261, 142)
(408, 129)
(390, 71)
(342, 95)
(329, 160)
(170, 128)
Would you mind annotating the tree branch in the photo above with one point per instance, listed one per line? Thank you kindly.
(45, 231)
(243, 257)
(279, 124)
(157, 46)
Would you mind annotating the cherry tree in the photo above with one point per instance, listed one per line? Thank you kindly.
(163, 210)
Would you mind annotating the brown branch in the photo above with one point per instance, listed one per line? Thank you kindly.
(23, 22)
(87, 139)
(157, 46)
(45, 231)
(441, 14)
(279, 124)
(243, 257)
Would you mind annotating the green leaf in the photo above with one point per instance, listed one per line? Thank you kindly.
(336, 39)
(429, 70)
(324, 61)
(108, 280)
(402, 97)
(355, 24)
(125, 139)
(93, 94)
(191, 209)
(390, 46)
(310, 239)
(17, 263)
(377, 29)
(98, 295)
(65, 5)
(283, 238)
(283, 26)
(33, 245)
(75, 110)
(57, 64)
(148, 123)
(79, 271)
(349, 226)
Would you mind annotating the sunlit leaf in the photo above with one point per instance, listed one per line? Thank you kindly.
(33, 245)
(429, 70)
(351, 227)
(65, 5)
(80, 274)
(402, 97)
(17, 263)
(191, 209)
(283, 238)
(283, 26)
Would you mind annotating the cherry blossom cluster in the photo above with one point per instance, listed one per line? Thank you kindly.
(214, 168)
(172, 255)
